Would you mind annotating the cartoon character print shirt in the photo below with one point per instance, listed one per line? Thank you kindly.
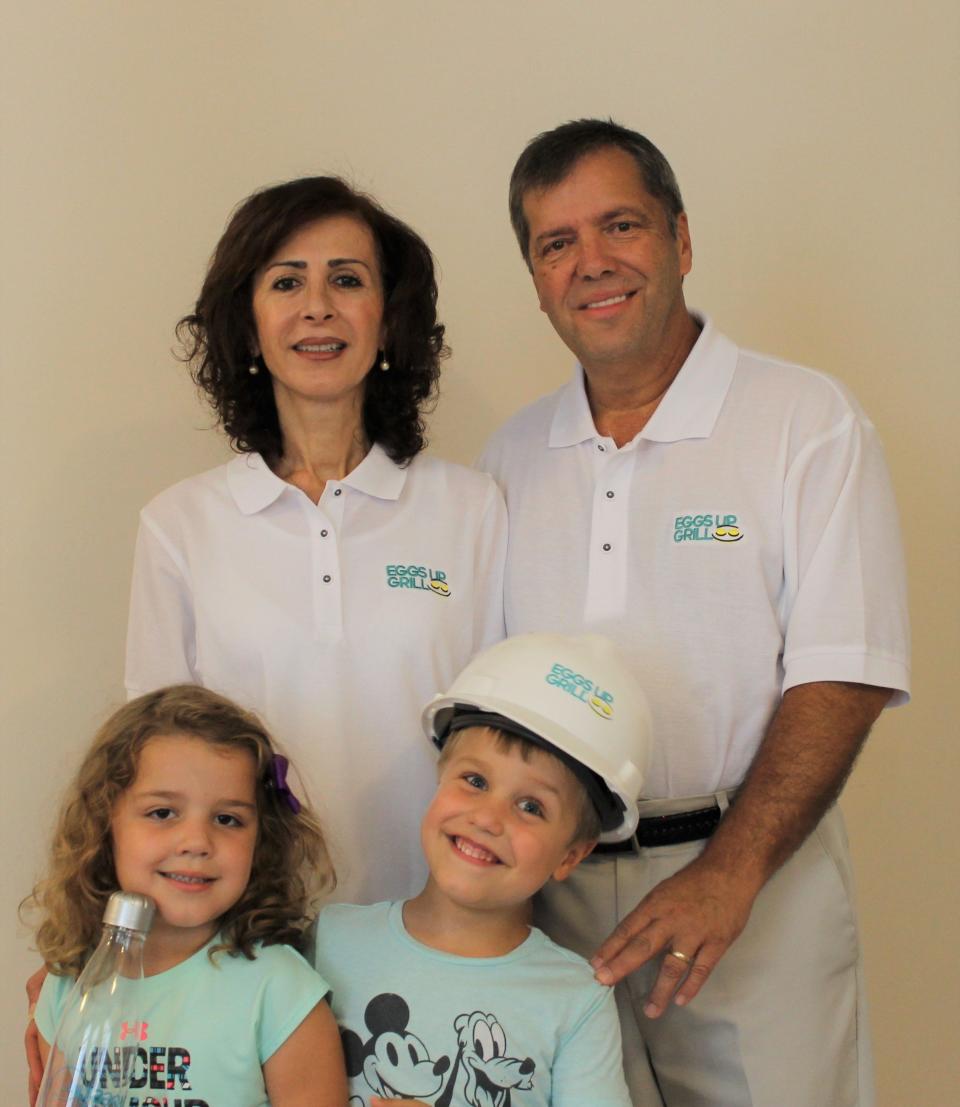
(530, 1029)
(210, 1026)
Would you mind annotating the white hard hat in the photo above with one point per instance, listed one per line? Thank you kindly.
(574, 695)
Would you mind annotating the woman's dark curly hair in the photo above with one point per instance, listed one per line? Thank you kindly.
(218, 338)
(290, 868)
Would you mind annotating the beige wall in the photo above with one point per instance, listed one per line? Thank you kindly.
(817, 147)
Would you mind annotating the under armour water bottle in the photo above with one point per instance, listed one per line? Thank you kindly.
(95, 1045)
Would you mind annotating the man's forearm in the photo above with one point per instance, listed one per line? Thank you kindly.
(797, 772)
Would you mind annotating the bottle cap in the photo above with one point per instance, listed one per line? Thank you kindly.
(130, 910)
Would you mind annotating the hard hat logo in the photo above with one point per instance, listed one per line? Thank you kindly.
(581, 688)
(604, 708)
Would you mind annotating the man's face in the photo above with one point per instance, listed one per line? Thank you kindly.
(607, 270)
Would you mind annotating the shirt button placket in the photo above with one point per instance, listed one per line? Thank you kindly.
(325, 520)
(607, 576)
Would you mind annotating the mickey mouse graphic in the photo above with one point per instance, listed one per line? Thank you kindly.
(491, 1076)
(394, 1063)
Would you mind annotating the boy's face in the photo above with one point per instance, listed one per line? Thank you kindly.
(499, 826)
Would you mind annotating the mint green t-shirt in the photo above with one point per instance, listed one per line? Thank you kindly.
(210, 1026)
(530, 1029)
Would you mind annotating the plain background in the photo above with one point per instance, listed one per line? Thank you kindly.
(816, 144)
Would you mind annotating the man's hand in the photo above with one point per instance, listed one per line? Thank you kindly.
(698, 912)
(31, 1039)
(798, 771)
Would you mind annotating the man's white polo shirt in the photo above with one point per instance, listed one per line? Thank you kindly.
(335, 621)
(745, 541)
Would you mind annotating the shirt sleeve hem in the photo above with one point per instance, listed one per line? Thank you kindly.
(854, 667)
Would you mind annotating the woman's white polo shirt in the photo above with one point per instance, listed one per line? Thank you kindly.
(335, 621)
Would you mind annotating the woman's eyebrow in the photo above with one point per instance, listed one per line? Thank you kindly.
(331, 264)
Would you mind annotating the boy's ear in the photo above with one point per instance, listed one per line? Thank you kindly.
(574, 855)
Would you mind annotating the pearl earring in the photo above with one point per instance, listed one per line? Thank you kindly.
(384, 364)
(253, 368)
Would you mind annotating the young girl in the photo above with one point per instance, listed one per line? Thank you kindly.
(182, 798)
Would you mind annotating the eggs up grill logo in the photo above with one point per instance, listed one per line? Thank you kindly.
(418, 577)
(706, 528)
(577, 685)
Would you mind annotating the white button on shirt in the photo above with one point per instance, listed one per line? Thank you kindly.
(751, 543)
(335, 621)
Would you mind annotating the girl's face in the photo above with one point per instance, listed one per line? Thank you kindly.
(184, 833)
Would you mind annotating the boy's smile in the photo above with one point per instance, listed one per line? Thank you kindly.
(500, 824)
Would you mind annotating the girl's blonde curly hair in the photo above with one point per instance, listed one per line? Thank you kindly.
(290, 868)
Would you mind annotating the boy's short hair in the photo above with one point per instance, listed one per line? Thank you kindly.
(588, 827)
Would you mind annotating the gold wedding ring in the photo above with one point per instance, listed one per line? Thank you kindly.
(681, 956)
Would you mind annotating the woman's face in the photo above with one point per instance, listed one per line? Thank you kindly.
(318, 310)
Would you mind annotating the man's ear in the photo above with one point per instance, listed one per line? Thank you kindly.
(574, 855)
(684, 244)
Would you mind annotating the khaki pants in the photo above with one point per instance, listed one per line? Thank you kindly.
(781, 1021)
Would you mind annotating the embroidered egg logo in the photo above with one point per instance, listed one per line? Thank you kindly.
(728, 534)
(440, 587)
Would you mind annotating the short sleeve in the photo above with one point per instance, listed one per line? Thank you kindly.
(291, 991)
(588, 1067)
(843, 564)
(489, 560)
(161, 645)
(53, 995)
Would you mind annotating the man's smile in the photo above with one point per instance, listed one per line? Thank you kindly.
(610, 301)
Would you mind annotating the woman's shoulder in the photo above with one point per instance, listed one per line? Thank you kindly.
(226, 485)
(191, 488)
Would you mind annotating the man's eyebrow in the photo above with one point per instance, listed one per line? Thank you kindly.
(617, 213)
(555, 232)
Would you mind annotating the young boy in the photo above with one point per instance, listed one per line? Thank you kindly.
(452, 998)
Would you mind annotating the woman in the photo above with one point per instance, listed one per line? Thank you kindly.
(330, 576)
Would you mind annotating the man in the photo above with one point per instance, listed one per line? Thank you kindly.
(728, 519)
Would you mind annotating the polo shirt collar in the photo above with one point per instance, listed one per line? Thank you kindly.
(255, 486)
(688, 410)
(377, 475)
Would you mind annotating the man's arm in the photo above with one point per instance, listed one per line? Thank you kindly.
(798, 771)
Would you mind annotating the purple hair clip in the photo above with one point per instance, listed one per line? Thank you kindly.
(277, 782)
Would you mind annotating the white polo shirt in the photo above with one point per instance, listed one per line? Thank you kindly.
(335, 622)
(744, 542)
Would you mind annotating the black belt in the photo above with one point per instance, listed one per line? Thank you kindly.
(667, 830)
